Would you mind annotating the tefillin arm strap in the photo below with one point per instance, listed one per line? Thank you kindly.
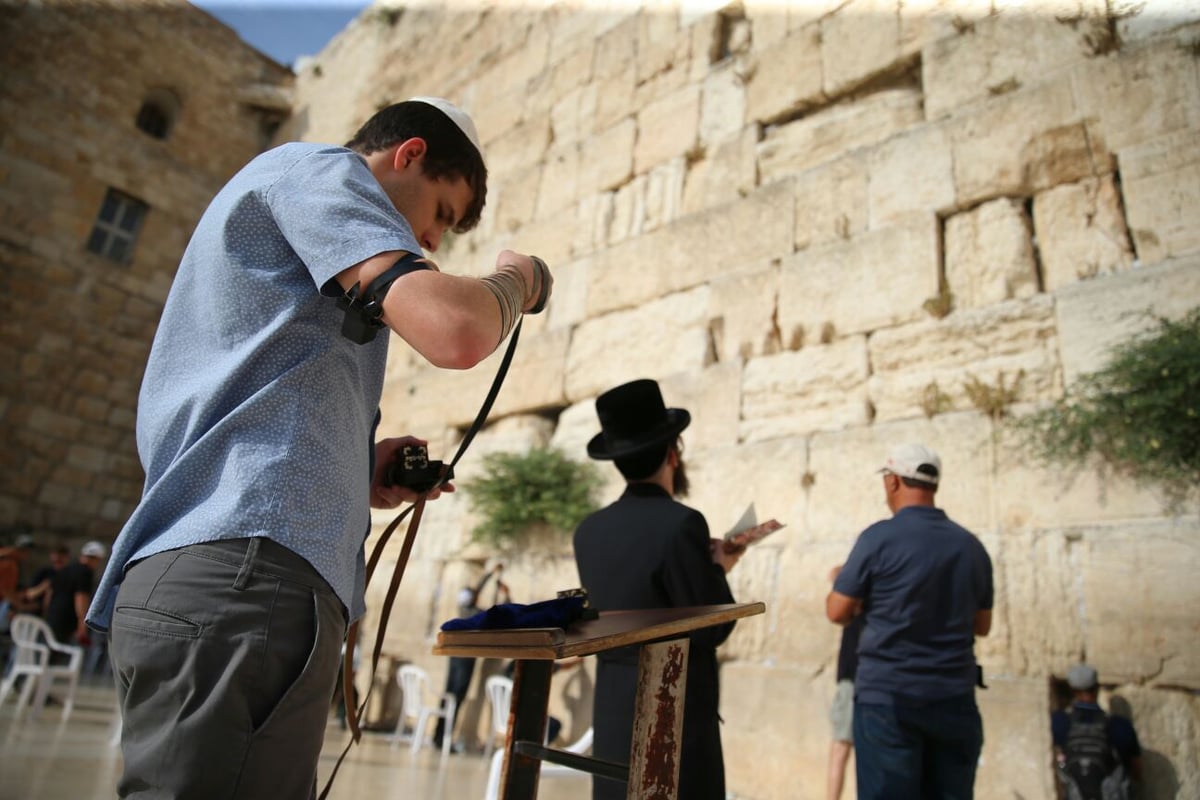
(364, 308)
(354, 714)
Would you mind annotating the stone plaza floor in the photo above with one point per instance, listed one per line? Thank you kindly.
(45, 759)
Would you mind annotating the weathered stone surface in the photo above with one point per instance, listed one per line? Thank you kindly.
(1161, 182)
(560, 184)
(693, 250)
(1081, 232)
(829, 132)
(912, 171)
(926, 22)
(713, 396)
(521, 148)
(1154, 17)
(894, 268)
(1014, 763)
(727, 173)
(1003, 53)
(832, 202)
(989, 254)
(607, 162)
(742, 314)
(1157, 639)
(671, 335)
(722, 104)
(1168, 727)
(666, 128)
(926, 367)
(821, 387)
(1096, 315)
(786, 77)
(859, 42)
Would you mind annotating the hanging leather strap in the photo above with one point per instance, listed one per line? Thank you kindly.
(416, 509)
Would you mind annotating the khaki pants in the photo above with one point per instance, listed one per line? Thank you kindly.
(225, 656)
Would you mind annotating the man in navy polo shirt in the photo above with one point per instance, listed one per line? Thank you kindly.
(924, 586)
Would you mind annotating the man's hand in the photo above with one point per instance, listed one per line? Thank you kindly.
(841, 609)
(391, 496)
(725, 559)
(539, 283)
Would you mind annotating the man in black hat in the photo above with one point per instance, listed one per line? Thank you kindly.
(647, 550)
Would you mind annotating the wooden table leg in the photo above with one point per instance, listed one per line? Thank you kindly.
(526, 722)
(658, 721)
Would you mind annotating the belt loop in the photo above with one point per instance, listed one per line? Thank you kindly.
(243, 576)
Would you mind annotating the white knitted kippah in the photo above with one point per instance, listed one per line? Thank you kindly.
(459, 117)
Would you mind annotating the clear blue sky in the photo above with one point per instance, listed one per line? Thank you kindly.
(285, 29)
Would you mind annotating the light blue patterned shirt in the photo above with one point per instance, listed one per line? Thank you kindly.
(256, 416)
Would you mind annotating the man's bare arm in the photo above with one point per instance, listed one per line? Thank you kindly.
(841, 609)
(983, 622)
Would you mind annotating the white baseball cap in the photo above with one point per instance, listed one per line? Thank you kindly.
(95, 549)
(459, 117)
(915, 462)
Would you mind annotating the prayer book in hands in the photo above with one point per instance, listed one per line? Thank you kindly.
(748, 530)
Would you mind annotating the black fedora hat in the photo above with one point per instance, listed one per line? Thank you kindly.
(634, 418)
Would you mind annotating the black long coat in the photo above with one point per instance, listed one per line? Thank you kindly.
(648, 551)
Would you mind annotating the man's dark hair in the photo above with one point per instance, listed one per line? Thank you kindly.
(915, 484)
(449, 153)
(644, 464)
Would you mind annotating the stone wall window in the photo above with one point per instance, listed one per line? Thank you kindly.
(117, 226)
(158, 112)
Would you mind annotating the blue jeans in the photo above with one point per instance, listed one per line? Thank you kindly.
(908, 752)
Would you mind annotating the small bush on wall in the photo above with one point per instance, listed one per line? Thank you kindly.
(1140, 413)
(522, 492)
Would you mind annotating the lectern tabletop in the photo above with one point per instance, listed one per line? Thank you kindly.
(612, 629)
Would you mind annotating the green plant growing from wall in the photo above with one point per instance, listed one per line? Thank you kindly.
(1140, 413)
(993, 399)
(522, 492)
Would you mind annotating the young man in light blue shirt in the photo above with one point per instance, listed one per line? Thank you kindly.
(230, 588)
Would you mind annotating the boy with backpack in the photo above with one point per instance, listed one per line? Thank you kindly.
(1097, 755)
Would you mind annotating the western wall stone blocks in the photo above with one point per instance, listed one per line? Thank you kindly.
(859, 41)
(606, 162)
(911, 171)
(667, 128)
(1081, 231)
(831, 132)
(722, 104)
(726, 173)
(693, 249)
(559, 186)
(832, 202)
(1003, 53)
(785, 77)
(714, 398)
(656, 339)
(821, 387)
(1018, 707)
(1155, 639)
(520, 149)
(1155, 17)
(1094, 316)
(1168, 727)
(1041, 599)
(742, 310)
(925, 22)
(894, 270)
(925, 367)
(1161, 182)
(572, 118)
(989, 254)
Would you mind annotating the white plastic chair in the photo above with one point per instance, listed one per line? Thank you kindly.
(498, 689)
(413, 682)
(34, 642)
(578, 747)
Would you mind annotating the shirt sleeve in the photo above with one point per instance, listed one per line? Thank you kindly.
(854, 579)
(984, 585)
(334, 214)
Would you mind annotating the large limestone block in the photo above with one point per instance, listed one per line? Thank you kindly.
(615, 100)
(1148, 19)
(648, 201)
(832, 202)
(1140, 94)
(520, 149)
(775, 736)
(924, 22)
(713, 396)
(1023, 142)
(847, 492)
(658, 38)
(722, 103)
(1081, 231)
(1096, 315)
(1139, 600)
(657, 339)
(575, 427)
(1168, 727)
(801, 635)
(989, 254)
(1002, 53)
(925, 367)
(516, 69)
(832, 132)
(606, 161)
(1036, 614)
(1015, 761)
(1161, 182)
(860, 41)
(568, 304)
(743, 315)
(912, 171)
(667, 128)
(573, 117)
(693, 250)
(786, 77)
(560, 184)
(880, 278)
(821, 387)
(728, 172)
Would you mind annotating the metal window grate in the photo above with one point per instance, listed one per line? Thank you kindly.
(117, 226)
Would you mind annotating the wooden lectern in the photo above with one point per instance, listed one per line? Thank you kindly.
(653, 769)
